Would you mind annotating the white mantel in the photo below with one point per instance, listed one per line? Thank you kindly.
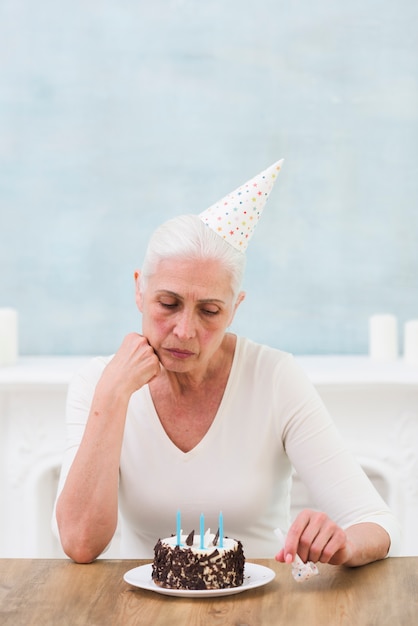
(374, 404)
(322, 370)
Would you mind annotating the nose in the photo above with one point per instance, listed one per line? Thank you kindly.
(185, 327)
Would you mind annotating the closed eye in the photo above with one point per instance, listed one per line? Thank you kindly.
(167, 305)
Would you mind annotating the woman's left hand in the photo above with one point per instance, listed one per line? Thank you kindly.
(315, 537)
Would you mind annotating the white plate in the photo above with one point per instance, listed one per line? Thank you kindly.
(254, 576)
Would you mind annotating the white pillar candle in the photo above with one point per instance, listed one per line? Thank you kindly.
(8, 336)
(411, 342)
(383, 337)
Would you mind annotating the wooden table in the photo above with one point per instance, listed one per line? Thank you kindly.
(57, 592)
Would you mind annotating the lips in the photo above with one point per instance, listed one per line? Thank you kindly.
(178, 353)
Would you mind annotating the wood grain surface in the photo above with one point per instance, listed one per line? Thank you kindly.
(57, 592)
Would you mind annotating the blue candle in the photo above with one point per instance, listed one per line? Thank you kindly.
(178, 524)
(202, 531)
(221, 530)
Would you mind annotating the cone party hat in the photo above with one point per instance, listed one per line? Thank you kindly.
(235, 217)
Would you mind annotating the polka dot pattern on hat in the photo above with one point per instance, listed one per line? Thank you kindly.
(235, 216)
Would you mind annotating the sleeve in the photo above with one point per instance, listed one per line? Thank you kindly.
(79, 399)
(336, 481)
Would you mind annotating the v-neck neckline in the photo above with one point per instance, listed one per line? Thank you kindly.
(216, 420)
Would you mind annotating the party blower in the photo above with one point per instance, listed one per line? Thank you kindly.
(300, 571)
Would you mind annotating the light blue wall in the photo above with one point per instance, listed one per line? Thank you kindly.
(116, 115)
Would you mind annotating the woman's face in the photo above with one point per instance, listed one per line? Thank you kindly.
(186, 308)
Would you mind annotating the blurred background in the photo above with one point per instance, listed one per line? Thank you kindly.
(115, 116)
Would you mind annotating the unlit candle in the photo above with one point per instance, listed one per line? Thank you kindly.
(411, 342)
(8, 336)
(202, 531)
(221, 530)
(383, 337)
(178, 528)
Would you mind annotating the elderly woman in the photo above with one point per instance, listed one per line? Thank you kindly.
(187, 415)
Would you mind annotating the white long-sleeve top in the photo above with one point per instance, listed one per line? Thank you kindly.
(270, 419)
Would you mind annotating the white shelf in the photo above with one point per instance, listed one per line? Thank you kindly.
(329, 370)
(49, 371)
(322, 370)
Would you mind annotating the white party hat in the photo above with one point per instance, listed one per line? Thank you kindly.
(236, 215)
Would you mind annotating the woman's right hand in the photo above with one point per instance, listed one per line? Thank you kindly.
(87, 508)
(134, 365)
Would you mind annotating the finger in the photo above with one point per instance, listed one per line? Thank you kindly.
(335, 550)
(157, 371)
(280, 556)
(149, 364)
(324, 537)
(295, 532)
(317, 550)
(330, 538)
(312, 530)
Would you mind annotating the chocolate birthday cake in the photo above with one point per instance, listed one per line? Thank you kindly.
(191, 566)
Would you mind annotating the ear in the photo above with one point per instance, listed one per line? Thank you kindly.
(138, 292)
(240, 298)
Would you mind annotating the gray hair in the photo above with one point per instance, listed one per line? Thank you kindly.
(187, 237)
